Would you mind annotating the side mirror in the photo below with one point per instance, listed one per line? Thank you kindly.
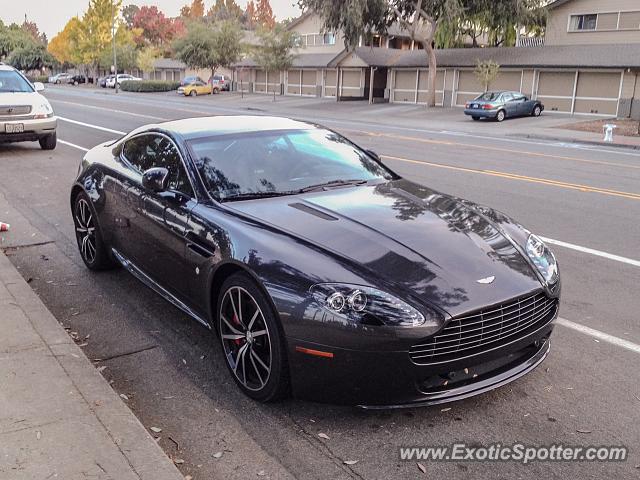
(156, 179)
(39, 86)
(374, 155)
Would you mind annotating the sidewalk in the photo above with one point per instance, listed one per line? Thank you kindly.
(59, 419)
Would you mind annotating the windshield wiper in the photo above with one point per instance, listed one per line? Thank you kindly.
(331, 184)
(255, 195)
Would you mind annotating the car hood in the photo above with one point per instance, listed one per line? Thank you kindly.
(422, 242)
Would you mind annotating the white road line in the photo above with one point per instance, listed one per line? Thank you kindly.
(69, 144)
(97, 127)
(591, 251)
(132, 114)
(605, 337)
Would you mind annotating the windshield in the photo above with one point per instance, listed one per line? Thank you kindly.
(489, 96)
(11, 82)
(281, 162)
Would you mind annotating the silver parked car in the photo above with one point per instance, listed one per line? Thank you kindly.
(499, 105)
(25, 115)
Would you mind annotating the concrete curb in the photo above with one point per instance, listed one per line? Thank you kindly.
(533, 136)
(145, 459)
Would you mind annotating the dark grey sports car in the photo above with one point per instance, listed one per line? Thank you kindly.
(323, 273)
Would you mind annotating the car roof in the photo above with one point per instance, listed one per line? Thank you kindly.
(191, 128)
(6, 68)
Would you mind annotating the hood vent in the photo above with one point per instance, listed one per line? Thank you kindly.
(312, 211)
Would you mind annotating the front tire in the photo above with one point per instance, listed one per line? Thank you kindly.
(193, 93)
(476, 118)
(216, 90)
(501, 116)
(93, 250)
(49, 142)
(252, 340)
(537, 111)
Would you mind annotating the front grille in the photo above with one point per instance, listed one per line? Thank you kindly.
(486, 329)
(9, 110)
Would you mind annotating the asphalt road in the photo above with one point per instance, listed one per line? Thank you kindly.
(586, 393)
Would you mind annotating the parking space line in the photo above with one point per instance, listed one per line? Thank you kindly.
(89, 125)
(591, 251)
(73, 145)
(132, 114)
(597, 334)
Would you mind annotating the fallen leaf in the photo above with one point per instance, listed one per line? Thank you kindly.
(188, 477)
(123, 396)
(323, 435)
(155, 429)
(217, 455)
(445, 409)
(38, 435)
(261, 473)
(102, 368)
(422, 468)
(178, 461)
(583, 431)
(184, 361)
(350, 462)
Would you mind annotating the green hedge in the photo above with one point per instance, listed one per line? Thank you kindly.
(148, 86)
(39, 78)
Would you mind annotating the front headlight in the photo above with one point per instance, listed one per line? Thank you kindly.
(543, 259)
(43, 110)
(370, 306)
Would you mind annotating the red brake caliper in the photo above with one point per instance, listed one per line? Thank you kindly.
(239, 341)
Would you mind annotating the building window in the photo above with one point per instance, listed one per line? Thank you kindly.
(583, 22)
(317, 39)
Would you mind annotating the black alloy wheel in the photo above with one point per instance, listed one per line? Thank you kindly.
(252, 340)
(92, 248)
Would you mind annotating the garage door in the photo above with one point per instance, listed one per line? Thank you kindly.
(423, 86)
(330, 82)
(309, 82)
(555, 90)
(469, 87)
(260, 85)
(351, 83)
(294, 78)
(597, 93)
(412, 86)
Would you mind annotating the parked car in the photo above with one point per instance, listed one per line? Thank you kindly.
(502, 104)
(79, 79)
(322, 271)
(195, 88)
(25, 115)
(122, 77)
(189, 80)
(60, 78)
(220, 83)
(103, 80)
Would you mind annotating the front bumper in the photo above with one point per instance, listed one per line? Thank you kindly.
(478, 112)
(33, 129)
(386, 380)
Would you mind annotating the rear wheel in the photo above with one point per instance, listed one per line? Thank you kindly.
(193, 93)
(536, 111)
(49, 142)
(501, 116)
(476, 118)
(252, 340)
(92, 248)
(216, 90)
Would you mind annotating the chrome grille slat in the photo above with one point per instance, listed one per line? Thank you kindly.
(15, 110)
(490, 339)
(486, 329)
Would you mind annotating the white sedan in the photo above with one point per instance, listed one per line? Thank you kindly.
(123, 77)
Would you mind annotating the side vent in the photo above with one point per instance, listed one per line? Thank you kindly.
(312, 211)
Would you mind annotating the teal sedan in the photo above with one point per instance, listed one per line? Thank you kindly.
(502, 104)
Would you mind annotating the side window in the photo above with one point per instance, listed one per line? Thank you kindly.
(149, 151)
(507, 97)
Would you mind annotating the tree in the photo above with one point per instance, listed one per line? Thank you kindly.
(33, 56)
(224, 10)
(129, 13)
(195, 11)
(156, 28)
(126, 51)
(486, 72)
(147, 59)
(250, 14)
(264, 14)
(11, 38)
(419, 18)
(64, 46)
(274, 52)
(210, 48)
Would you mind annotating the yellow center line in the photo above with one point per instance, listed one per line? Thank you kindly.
(495, 149)
(524, 178)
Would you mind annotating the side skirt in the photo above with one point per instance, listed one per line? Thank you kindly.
(149, 282)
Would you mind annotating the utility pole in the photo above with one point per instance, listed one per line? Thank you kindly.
(113, 37)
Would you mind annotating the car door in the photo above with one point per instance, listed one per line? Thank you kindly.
(510, 106)
(522, 104)
(157, 239)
